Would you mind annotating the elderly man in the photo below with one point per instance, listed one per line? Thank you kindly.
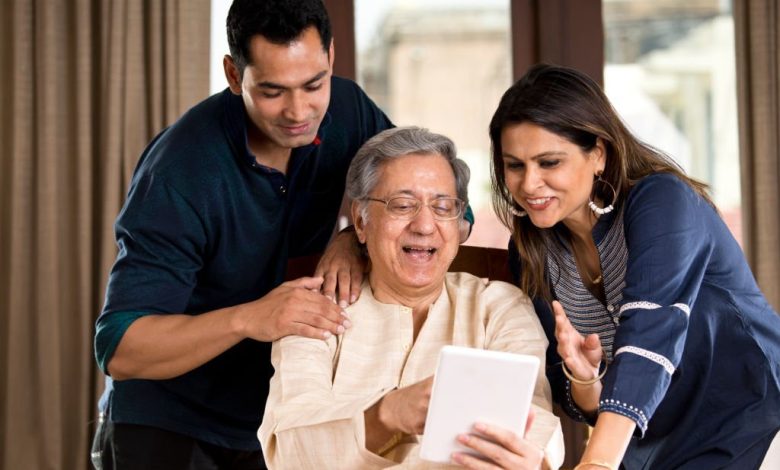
(359, 400)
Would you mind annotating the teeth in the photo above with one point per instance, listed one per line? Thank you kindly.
(541, 200)
(409, 249)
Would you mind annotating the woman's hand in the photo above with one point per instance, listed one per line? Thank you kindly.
(582, 355)
(501, 449)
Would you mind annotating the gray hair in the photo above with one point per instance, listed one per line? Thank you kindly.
(363, 174)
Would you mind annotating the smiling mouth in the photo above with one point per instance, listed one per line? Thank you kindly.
(413, 250)
(296, 130)
(538, 201)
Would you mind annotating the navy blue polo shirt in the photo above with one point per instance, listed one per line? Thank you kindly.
(204, 227)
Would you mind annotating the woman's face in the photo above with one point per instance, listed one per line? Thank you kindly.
(550, 177)
(409, 257)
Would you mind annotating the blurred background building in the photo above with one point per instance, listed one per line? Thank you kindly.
(669, 71)
(445, 68)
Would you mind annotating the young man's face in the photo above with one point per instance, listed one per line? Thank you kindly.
(286, 90)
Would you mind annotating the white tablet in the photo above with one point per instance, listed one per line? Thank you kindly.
(475, 385)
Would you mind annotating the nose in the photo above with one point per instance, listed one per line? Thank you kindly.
(531, 180)
(295, 106)
(423, 223)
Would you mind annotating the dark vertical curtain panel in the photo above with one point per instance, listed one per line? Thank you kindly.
(560, 32)
(85, 85)
(342, 18)
(757, 38)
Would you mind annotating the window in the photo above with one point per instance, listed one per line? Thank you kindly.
(219, 45)
(670, 73)
(443, 65)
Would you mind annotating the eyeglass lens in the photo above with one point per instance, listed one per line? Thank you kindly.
(443, 208)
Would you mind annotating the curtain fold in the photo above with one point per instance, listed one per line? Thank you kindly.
(85, 85)
(757, 38)
(561, 32)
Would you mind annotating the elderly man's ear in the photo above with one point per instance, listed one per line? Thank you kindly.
(359, 223)
(464, 230)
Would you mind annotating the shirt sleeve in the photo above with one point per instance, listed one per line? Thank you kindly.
(305, 425)
(161, 239)
(669, 247)
(513, 327)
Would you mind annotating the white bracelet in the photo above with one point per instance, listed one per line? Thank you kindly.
(577, 381)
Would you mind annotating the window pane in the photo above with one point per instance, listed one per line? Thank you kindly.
(219, 45)
(441, 65)
(670, 74)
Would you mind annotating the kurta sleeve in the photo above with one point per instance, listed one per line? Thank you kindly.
(513, 327)
(669, 247)
(305, 425)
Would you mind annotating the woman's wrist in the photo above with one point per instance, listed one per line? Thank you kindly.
(608, 442)
(592, 464)
(585, 398)
(579, 381)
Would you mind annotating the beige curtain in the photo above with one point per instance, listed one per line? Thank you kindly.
(84, 86)
(757, 35)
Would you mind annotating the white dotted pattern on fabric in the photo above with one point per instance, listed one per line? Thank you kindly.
(623, 408)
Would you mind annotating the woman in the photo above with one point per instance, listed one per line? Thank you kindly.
(360, 399)
(659, 334)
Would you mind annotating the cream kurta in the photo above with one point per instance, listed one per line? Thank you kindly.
(314, 413)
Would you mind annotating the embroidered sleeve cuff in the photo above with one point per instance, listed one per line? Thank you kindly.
(571, 408)
(627, 410)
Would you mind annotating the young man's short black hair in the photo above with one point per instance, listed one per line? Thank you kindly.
(278, 21)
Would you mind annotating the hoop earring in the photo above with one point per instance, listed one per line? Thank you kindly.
(603, 210)
(517, 212)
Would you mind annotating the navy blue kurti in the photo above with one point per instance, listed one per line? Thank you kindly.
(693, 344)
(205, 227)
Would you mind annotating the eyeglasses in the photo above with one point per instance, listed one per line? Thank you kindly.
(406, 208)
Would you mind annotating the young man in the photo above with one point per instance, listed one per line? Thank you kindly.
(219, 202)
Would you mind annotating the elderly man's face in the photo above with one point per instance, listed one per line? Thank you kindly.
(410, 256)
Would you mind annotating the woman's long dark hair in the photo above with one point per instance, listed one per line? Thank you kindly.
(570, 104)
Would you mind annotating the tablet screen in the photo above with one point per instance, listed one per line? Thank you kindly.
(475, 385)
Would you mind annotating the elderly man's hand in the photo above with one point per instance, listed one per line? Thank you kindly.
(342, 266)
(405, 409)
(502, 448)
